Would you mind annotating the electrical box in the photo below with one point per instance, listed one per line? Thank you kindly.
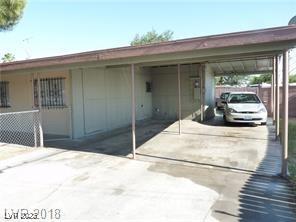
(195, 86)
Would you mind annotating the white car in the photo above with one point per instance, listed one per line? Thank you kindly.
(245, 107)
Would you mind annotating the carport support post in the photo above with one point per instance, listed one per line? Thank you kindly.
(133, 111)
(277, 98)
(179, 97)
(201, 94)
(272, 103)
(285, 112)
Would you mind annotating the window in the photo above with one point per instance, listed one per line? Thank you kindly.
(243, 98)
(52, 92)
(4, 94)
(148, 87)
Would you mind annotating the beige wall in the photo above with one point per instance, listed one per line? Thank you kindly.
(102, 99)
(20, 93)
(55, 121)
(165, 92)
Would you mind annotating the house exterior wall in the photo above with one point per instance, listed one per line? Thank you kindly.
(102, 99)
(99, 99)
(165, 92)
(20, 92)
(54, 121)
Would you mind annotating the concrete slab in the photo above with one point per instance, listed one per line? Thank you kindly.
(211, 172)
(96, 187)
(236, 147)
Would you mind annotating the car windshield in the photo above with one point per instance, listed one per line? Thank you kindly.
(224, 96)
(243, 98)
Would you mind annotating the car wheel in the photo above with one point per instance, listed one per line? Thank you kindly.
(263, 124)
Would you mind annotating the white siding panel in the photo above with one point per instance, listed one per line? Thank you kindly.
(106, 96)
(94, 100)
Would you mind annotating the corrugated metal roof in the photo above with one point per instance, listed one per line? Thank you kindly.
(254, 66)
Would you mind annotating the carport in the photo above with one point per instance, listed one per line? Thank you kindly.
(244, 53)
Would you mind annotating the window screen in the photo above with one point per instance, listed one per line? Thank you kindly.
(4, 94)
(52, 92)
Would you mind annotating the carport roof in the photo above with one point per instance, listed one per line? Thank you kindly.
(285, 34)
(242, 67)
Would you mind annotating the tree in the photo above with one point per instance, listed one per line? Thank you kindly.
(232, 80)
(11, 12)
(152, 37)
(292, 78)
(8, 57)
(263, 78)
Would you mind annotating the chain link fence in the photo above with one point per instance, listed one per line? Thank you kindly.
(23, 128)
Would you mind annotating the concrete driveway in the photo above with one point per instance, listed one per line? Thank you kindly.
(235, 147)
(209, 173)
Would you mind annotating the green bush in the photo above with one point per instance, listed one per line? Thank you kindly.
(292, 149)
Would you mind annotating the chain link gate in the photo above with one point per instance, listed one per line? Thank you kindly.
(23, 128)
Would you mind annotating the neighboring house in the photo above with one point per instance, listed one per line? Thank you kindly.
(88, 93)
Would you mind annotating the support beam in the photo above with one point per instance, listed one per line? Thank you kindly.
(133, 111)
(179, 97)
(285, 105)
(201, 94)
(222, 71)
(272, 93)
(277, 98)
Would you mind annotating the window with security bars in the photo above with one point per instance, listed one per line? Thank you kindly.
(52, 92)
(4, 94)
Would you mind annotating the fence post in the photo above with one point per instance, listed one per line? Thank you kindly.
(35, 130)
(40, 115)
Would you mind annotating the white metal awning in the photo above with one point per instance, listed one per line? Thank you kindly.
(242, 67)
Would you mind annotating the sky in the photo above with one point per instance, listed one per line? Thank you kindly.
(51, 27)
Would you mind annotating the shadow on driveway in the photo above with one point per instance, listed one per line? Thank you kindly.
(117, 142)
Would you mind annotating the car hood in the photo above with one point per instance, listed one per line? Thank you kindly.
(245, 107)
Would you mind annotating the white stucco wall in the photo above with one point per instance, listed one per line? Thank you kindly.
(102, 99)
